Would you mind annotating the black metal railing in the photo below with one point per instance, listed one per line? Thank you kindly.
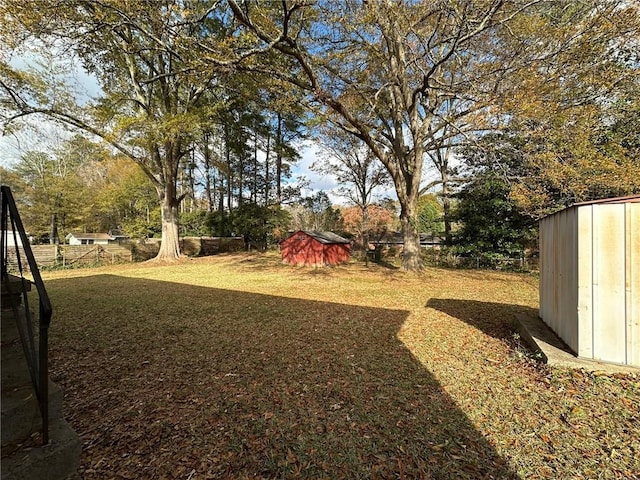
(15, 250)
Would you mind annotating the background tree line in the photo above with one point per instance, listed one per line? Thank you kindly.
(519, 107)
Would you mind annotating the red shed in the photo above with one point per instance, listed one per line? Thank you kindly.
(315, 248)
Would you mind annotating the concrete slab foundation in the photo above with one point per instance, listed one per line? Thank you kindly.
(555, 352)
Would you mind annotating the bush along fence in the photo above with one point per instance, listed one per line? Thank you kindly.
(51, 256)
(443, 258)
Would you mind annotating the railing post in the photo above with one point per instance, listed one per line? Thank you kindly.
(44, 377)
(39, 366)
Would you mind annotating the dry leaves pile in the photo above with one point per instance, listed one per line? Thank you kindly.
(236, 366)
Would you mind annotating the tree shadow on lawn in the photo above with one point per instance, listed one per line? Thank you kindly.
(494, 319)
(167, 380)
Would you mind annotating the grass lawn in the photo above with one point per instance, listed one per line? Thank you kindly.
(237, 366)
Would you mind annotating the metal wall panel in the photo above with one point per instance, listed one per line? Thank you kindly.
(609, 273)
(585, 282)
(632, 211)
(590, 279)
(558, 275)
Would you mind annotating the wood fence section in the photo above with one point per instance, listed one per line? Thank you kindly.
(65, 255)
(146, 250)
(45, 255)
(192, 246)
(203, 246)
(72, 254)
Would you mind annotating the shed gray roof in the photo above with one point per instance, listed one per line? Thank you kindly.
(326, 237)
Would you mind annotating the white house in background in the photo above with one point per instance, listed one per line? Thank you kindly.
(12, 238)
(590, 278)
(90, 239)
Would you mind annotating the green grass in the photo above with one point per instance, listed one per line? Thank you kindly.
(237, 366)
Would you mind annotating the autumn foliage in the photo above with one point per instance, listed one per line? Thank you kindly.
(378, 221)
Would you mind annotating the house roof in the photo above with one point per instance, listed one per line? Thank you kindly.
(91, 236)
(326, 237)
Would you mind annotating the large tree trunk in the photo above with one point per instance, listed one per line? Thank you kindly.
(170, 246)
(407, 186)
(446, 210)
(365, 233)
(411, 260)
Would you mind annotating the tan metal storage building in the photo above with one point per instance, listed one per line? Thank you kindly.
(590, 278)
